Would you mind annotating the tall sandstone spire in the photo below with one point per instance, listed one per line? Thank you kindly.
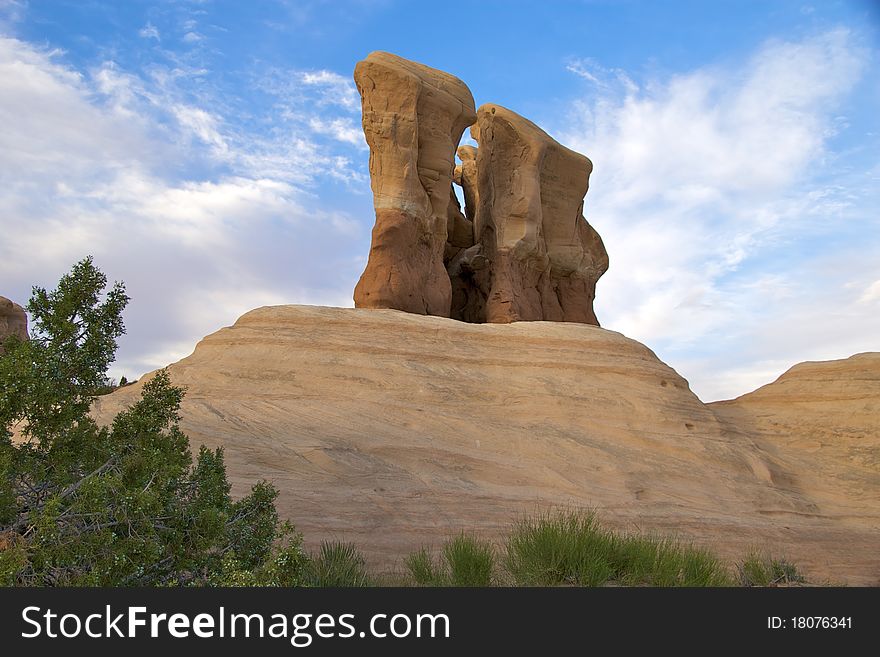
(413, 118)
(520, 250)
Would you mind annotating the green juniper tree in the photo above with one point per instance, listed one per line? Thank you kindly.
(82, 504)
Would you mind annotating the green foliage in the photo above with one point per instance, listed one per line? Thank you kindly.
(657, 561)
(337, 564)
(763, 570)
(13, 558)
(563, 547)
(423, 570)
(84, 505)
(50, 381)
(569, 547)
(470, 561)
(288, 565)
(465, 560)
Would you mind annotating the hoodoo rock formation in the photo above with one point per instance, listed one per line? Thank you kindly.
(520, 250)
(535, 257)
(13, 321)
(413, 118)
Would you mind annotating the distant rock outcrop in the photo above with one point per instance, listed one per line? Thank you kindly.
(520, 250)
(13, 321)
(823, 420)
(413, 118)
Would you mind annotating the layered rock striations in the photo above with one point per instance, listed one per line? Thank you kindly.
(520, 249)
(413, 119)
(823, 420)
(13, 321)
(397, 430)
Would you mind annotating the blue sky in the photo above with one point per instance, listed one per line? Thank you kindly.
(210, 155)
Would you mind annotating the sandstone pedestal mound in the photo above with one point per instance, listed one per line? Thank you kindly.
(413, 120)
(13, 321)
(395, 430)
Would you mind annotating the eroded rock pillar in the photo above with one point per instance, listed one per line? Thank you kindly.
(413, 119)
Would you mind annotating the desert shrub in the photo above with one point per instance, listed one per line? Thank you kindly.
(559, 547)
(337, 564)
(470, 561)
(759, 569)
(640, 560)
(464, 560)
(701, 567)
(570, 548)
(423, 570)
(288, 565)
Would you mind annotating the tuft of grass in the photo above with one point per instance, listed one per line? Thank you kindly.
(555, 548)
(699, 567)
(423, 570)
(763, 570)
(464, 561)
(337, 564)
(470, 561)
(561, 547)
(570, 547)
(657, 561)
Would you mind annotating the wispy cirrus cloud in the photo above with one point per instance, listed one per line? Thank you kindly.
(736, 244)
(11, 12)
(292, 88)
(150, 31)
(333, 88)
(341, 129)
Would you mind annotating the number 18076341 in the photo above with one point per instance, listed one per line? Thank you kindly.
(809, 623)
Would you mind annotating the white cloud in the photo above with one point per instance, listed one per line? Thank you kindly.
(289, 151)
(51, 126)
(308, 127)
(335, 89)
(202, 222)
(149, 31)
(341, 129)
(589, 69)
(711, 190)
(11, 12)
(872, 293)
(202, 124)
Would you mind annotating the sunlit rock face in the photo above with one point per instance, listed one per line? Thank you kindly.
(413, 119)
(520, 249)
(13, 321)
(534, 257)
